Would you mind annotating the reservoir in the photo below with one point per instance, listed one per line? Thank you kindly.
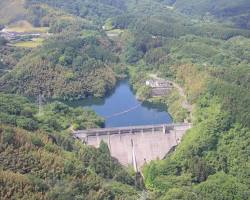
(121, 108)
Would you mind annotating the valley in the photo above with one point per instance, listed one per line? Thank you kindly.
(122, 71)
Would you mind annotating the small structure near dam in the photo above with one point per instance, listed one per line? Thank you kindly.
(159, 87)
(136, 145)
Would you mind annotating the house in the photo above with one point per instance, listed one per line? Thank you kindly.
(159, 87)
(158, 84)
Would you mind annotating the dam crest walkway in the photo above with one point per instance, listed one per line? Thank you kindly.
(136, 145)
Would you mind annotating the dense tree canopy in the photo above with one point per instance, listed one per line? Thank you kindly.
(90, 44)
(47, 163)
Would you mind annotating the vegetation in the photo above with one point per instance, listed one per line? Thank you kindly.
(214, 71)
(237, 12)
(69, 61)
(24, 26)
(204, 47)
(9, 57)
(41, 169)
(56, 116)
(68, 64)
(30, 44)
(9, 10)
(96, 9)
(47, 163)
(220, 90)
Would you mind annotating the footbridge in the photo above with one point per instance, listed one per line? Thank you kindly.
(136, 145)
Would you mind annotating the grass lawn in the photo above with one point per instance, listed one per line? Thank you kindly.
(27, 29)
(24, 26)
(30, 44)
(114, 32)
(89, 33)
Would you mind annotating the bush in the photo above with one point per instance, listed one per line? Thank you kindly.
(3, 41)
(37, 141)
(27, 123)
(8, 136)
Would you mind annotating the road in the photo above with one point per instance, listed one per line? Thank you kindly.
(185, 104)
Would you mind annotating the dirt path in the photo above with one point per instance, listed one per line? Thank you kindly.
(185, 103)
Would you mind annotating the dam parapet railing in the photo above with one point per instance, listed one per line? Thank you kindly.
(136, 145)
(165, 128)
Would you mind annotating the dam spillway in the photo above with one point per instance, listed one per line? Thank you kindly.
(139, 144)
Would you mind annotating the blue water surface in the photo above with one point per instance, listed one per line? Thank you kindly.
(121, 108)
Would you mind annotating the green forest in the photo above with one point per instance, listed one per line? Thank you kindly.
(203, 46)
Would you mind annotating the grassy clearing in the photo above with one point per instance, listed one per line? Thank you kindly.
(117, 31)
(10, 9)
(24, 26)
(114, 32)
(89, 33)
(26, 30)
(30, 44)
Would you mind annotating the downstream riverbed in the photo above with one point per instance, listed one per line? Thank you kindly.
(121, 108)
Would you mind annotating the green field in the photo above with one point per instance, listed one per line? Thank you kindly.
(88, 33)
(10, 9)
(24, 27)
(27, 29)
(30, 44)
(114, 32)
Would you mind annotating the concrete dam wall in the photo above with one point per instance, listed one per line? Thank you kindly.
(136, 145)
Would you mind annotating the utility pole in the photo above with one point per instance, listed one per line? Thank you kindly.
(40, 104)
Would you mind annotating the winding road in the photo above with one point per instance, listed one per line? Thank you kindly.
(185, 104)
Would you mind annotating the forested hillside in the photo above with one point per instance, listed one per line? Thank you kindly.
(68, 64)
(98, 9)
(203, 46)
(40, 159)
(235, 11)
(213, 67)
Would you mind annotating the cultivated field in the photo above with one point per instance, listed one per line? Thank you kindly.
(30, 44)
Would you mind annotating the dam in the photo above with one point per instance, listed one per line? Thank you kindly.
(136, 145)
(135, 133)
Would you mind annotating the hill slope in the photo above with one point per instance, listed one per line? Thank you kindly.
(208, 58)
(40, 160)
(236, 11)
(11, 10)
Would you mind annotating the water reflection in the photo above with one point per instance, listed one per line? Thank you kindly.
(121, 108)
